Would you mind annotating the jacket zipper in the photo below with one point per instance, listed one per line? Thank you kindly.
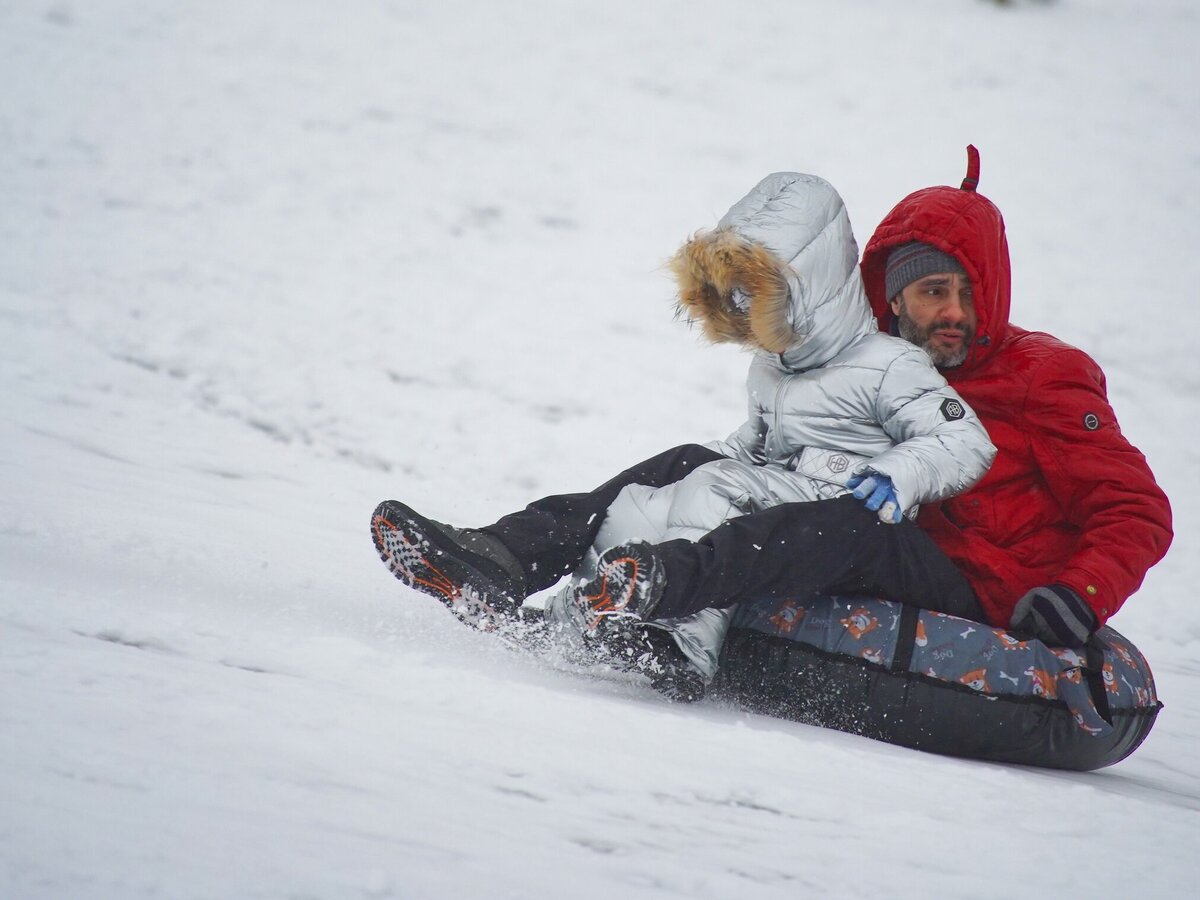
(793, 461)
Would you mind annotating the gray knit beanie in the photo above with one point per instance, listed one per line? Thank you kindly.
(908, 262)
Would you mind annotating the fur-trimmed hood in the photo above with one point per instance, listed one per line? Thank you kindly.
(779, 273)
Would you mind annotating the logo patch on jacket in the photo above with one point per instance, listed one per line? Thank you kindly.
(1091, 421)
(953, 409)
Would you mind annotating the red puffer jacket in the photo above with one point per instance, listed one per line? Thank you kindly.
(1068, 499)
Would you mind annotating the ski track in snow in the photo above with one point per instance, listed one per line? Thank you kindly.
(262, 266)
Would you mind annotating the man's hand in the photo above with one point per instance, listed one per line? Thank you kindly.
(879, 494)
(1055, 615)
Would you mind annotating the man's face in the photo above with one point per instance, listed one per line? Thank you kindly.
(937, 313)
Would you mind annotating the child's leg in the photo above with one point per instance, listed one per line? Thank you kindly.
(700, 637)
(638, 514)
(715, 493)
(712, 493)
(726, 489)
(550, 536)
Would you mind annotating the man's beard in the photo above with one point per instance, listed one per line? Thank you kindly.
(943, 358)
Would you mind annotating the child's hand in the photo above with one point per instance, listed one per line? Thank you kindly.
(879, 494)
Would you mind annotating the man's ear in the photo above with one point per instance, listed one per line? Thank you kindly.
(894, 303)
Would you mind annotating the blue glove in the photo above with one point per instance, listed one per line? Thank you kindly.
(880, 494)
(1055, 615)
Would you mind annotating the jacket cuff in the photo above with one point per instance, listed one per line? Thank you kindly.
(1094, 592)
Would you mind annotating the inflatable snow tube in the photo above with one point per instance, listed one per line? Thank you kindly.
(934, 682)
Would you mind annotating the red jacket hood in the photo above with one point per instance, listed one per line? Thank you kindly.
(957, 221)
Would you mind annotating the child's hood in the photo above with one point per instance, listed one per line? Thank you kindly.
(779, 273)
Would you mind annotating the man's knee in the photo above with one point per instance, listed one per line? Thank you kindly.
(673, 465)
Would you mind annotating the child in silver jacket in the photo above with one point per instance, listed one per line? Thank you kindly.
(835, 405)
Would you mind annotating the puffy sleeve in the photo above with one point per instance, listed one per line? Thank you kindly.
(1101, 482)
(941, 446)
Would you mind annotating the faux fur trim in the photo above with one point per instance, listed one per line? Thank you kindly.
(708, 268)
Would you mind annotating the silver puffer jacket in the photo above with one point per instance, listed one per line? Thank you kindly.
(829, 395)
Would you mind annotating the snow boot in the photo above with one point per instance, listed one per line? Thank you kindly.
(671, 673)
(469, 571)
(634, 646)
(628, 583)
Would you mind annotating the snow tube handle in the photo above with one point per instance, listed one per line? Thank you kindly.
(906, 638)
(1094, 673)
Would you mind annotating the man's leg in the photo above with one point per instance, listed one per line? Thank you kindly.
(483, 575)
(805, 549)
(550, 536)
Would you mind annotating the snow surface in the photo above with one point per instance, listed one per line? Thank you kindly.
(265, 264)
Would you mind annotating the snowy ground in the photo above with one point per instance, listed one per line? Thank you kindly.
(265, 264)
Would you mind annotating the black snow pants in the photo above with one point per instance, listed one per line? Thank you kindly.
(792, 550)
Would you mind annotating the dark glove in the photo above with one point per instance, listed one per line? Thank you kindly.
(880, 496)
(1055, 615)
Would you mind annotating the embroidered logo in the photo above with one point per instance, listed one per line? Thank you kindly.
(953, 409)
(838, 463)
(1091, 421)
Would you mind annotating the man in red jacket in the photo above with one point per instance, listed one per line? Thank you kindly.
(1065, 524)
(1050, 543)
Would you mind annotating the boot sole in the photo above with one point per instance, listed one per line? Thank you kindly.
(600, 604)
(425, 559)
